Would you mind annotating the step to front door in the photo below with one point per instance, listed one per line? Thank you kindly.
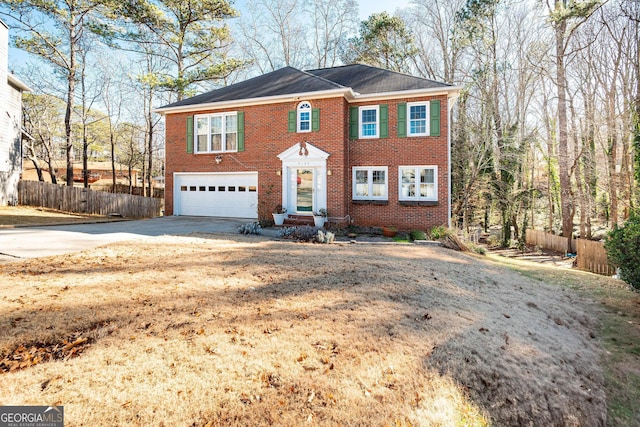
(294, 220)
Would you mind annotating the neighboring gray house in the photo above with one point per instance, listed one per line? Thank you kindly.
(11, 131)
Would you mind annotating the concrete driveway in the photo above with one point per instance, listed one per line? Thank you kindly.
(34, 242)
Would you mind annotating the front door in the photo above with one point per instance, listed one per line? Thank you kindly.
(304, 190)
(304, 178)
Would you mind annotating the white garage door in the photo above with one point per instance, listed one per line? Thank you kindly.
(216, 194)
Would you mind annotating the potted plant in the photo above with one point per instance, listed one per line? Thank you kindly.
(320, 217)
(389, 231)
(279, 215)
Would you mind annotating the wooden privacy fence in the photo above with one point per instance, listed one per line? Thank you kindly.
(125, 189)
(84, 200)
(547, 241)
(590, 255)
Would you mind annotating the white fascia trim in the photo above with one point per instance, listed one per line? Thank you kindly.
(27, 134)
(407, 94)
(333, 93)
(15, 82)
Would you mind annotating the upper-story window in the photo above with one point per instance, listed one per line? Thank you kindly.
(369, 121)
(420, 118)
(304, 117)
(418, 123)
(216, 133)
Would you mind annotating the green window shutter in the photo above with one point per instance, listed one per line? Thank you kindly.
(293, 126)
(353, 122)
(240, 119)
(402, 119)
(315, 119)
(434, 124)
(190, 134)
(384, 121)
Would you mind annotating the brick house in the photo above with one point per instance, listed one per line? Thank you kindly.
(367, 144)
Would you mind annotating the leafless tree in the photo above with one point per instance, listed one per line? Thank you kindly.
(435, 30)
(44, 115)
(68, 19)
(274, 35)
(333, 22)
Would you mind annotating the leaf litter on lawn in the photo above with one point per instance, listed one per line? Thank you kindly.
(30, 354)
(247, 331)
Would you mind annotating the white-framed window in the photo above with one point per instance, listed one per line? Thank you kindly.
(369, 121)
(370, 183)
(216, 133)
(418, 183)
(304, 116)
(418, 118)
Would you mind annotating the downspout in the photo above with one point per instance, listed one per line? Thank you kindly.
(349, 174)
(451, 100)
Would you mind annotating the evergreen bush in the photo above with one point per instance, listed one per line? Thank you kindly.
(418, 235)
(439, 232)
(623, 250)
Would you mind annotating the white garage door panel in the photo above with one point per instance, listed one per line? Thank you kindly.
(224, 195)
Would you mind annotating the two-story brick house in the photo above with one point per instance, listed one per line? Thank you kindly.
(360, 141)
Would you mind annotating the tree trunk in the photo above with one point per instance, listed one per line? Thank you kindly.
(85, 160)
(636, 136)
(71, 82)
(85, 142)
(34, 160)
(550, 170)
(613, 176)
(49, 160)
(612, 152)
(502, 175)
(113, 156)
(566, 202)
(71, 87)
(130, 172)
(577, 150)
(150, 143)
(589, 168)
(625, 171)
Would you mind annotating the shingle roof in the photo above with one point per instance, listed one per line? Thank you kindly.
(365, 79)
(362, 79)
(287, 80)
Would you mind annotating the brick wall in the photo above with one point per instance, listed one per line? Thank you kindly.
(408, 151)
(266, 136)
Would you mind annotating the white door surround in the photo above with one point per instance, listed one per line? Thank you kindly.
(299, 161)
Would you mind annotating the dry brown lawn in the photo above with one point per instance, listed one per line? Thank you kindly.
(233, 330)
(11, 216)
